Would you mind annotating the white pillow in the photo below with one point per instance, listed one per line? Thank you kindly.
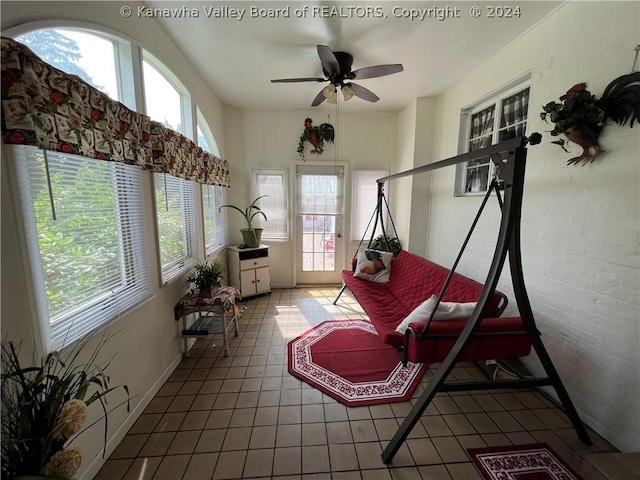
(373, 265)
(445, 311)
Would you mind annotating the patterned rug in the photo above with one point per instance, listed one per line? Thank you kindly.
(346, 360)
(521, 462)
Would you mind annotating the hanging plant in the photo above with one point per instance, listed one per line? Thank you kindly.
(316, 136)
(580, 115)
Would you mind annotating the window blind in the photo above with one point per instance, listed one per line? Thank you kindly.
(273, 184)
(214, 220)
(85, 230)
(319, 191)
(364, 198)
(176, 220)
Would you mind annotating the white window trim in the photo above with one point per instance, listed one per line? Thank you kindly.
(179, 267)
(129, 71)
(108, 301)
(284, 173)
(493, 98)
(357, 236)
(206, 132)
(214, 246)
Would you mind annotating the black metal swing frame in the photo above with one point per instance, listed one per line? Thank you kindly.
(510, 157)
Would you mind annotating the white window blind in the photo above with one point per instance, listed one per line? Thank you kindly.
(273, 184)
(86, 236)
(364, 198)
(214, 220)
(176, 219)
(322, 192)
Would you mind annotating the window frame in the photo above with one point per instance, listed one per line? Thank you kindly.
(129, 56)
(495, 99)
(215, 237)
(214, 234)
(284, 235)
(98, 309)
(188, 208)
(177, 267)
(356, 234)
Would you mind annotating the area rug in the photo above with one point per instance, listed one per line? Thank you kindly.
(346, 360)
(535, 461)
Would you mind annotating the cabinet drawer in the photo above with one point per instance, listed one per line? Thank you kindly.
(254, 263)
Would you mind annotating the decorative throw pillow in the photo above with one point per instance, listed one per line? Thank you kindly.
(373, 265)
(445, 311)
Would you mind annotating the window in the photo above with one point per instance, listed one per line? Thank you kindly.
(213, 197)
(83, 223)
(483, 128)
(272, 183)
(86, 240)
(364, 198)
(175, 197)
(85, 277)
(214, 221)
(91, 57)
(163, 101)
(176, 219)
(205, 137)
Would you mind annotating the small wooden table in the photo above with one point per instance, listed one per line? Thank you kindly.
(220, 314)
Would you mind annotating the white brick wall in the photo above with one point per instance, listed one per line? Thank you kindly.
(580, 224)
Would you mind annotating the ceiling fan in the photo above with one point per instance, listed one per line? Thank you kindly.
(336, 67)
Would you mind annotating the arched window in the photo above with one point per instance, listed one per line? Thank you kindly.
(84, 219)
(213, 196)
(87, 244)
(175, 197)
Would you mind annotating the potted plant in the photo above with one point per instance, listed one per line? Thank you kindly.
(44, 408)
(388, 244)
(250, 235)
(206, 275)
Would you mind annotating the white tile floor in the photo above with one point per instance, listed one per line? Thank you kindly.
(245, 417)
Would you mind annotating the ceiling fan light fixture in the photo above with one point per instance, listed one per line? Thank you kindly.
(330, 93)
(347, 92)
(336, 67)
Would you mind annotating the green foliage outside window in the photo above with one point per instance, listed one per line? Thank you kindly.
(80, 248)
(171, 226)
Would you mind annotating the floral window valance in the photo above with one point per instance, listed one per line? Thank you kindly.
(44, 107)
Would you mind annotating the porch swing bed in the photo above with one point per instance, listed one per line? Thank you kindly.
(482, 333)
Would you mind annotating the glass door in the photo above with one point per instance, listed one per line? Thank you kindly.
(319, 219)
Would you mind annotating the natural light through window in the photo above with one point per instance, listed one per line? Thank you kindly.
(89, 56)
(163, 102)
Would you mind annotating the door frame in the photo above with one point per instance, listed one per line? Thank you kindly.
(346, 206)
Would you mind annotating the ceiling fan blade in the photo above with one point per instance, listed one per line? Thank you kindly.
(328, 59)
(291, 80)
(376, 71)
(363, 93)
(319, 99)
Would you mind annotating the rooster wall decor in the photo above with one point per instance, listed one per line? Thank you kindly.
(316, 136)
(581, 116)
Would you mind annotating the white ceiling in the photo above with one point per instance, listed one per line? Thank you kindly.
(239, 57)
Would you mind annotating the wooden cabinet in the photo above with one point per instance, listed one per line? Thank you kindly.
(249, 270)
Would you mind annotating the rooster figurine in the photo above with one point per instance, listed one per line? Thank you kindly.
(581, 116)
(316, 136)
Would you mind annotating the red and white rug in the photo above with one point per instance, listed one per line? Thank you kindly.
(536, 461)
(346, 360)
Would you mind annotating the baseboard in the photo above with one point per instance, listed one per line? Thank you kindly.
(96, 464)
(282, 285)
